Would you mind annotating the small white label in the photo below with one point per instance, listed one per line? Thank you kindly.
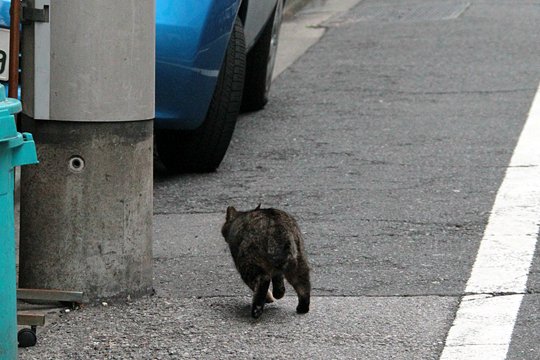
(4, 54)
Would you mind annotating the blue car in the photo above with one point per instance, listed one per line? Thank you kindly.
(214, 58)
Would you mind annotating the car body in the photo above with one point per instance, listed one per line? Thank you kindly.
(189, 53)
(204, 50)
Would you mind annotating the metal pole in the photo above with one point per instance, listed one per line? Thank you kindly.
(88, 95)
(14, 48)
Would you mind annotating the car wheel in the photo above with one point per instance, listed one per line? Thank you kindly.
(260, 63)
(202, 150)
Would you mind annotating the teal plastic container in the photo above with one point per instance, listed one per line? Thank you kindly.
(16, 149)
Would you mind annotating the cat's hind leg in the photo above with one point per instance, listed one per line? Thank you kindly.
(259, 297)
(259, 282)
(278, 286)
(251, 275)
(299, 279)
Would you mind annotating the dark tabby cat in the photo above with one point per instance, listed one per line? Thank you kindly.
(266, 245)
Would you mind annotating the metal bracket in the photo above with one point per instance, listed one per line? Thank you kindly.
(31, 14)
(37, 37)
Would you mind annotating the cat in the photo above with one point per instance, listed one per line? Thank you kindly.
(267, 246)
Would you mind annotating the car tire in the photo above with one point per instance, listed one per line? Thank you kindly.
(260, 63)
(202, 150)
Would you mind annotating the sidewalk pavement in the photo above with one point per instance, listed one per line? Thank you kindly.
(293, 6)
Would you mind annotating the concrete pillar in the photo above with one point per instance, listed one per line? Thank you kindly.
(86, 209)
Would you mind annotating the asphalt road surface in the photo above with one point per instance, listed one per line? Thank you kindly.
(388, 140)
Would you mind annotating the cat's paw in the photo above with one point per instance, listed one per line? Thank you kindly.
(256, 311)
(278, 291)
(302, 308)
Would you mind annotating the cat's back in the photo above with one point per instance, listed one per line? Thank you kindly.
(271, 235)
(271, 223)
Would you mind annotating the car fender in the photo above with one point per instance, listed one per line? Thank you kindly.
(191, 41)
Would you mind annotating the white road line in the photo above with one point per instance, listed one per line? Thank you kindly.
(486, 316)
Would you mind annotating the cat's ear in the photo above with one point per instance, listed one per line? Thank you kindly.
(231, 213)
(258, 207)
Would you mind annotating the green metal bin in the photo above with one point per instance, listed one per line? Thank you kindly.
(16, 149)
